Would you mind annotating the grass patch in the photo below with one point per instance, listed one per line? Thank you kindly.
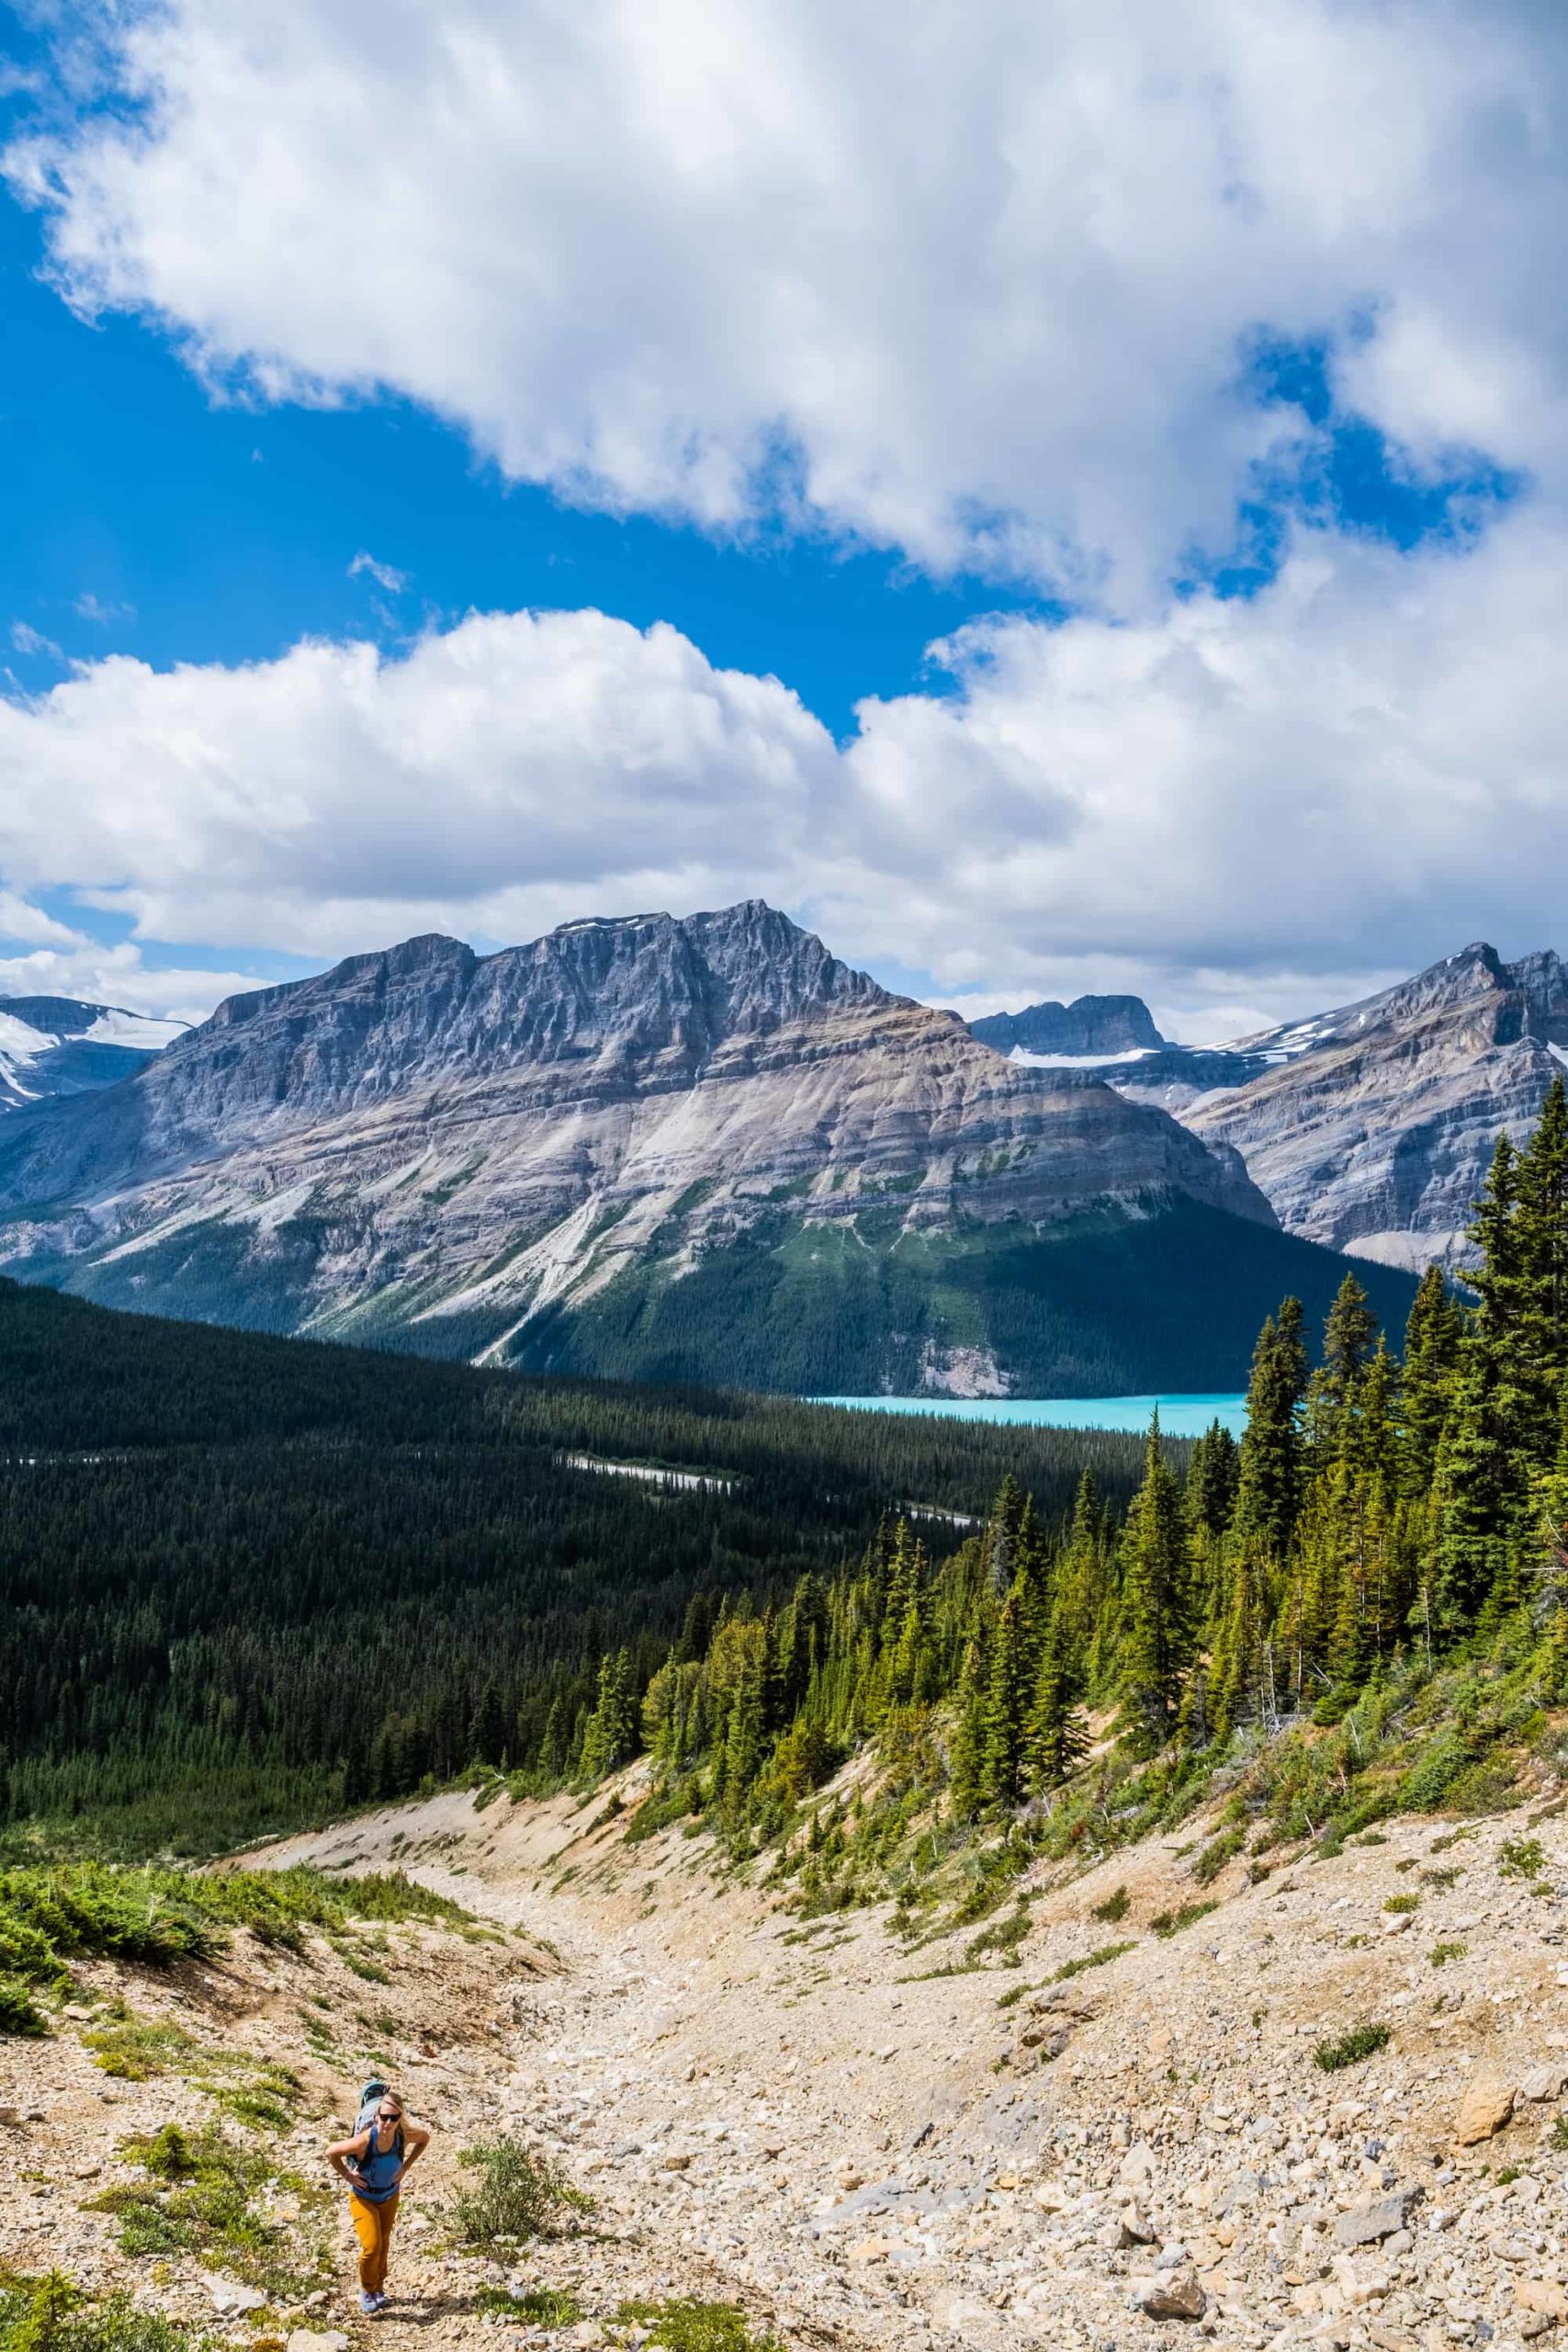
(1098, 1959)
(1114, 1909)
(56, 1912)
(1166, 1924)
(53, 2315)
(198, 2198)
(1450, 1948)
(541, 2306)
(1557, 2135)
(1216, 1854)
(1520, 1858)
(696, 2327)
(1351, 2048)
(516, 2196)
(1402, 1903)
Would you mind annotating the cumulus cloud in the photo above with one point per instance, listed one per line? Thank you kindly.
(977, 284)
(1206, 806)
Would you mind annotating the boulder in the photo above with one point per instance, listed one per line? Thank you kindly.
(1365, 2224)
(231, 2299)
(1544, 2082)
(1544, 2296)
(1139, 2164)
(310, 2339)
(1173, 2294)
(1487, 2104)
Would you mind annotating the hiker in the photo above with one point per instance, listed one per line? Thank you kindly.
(383, 2147)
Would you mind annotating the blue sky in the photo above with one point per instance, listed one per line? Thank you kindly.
(1030, 546)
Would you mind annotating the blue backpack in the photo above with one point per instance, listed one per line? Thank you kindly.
(371, 2098)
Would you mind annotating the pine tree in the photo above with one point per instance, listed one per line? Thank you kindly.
(1056, 1736)
(1269, 1496)
(610, 1736)
(1540, 1236)
(1155, 1638)
(1010, 1693)
(1432, 1339)
(968, 1764)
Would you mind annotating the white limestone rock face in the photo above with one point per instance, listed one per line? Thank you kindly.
(428, 1133)
(1371, 1129)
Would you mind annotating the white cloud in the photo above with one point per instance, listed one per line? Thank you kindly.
(27, 639)
(385, 575)
(1238, 809)
(103, 612)
(979, 275)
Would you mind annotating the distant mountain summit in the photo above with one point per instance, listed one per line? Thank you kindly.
(56, 1045)
(1091, 1028)
(1370, 1128)
(657, 1147)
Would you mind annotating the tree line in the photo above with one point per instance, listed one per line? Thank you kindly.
(1378, 1509)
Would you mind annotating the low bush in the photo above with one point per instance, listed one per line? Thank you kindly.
(1114, 1908)
(1362, 2041)
(198, 2198)
(540, 2307)
(696, 2327)
(1170, 1923)
(518, 2196)
(53, 2315)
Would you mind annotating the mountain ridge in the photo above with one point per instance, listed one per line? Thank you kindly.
(465, 1153)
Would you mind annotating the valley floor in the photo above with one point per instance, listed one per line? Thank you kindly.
(861, 2150)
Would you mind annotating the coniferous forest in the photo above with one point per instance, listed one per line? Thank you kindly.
(247, 1580)
(1379, 1568)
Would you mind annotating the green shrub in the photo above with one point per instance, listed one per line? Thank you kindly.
(1441, 1953)
(52, 2314)
(1216, 1854)
(541, 2306)
(518, 2196)
(1362, 2041)
(1114, 1908)
(1170, 1923)
(1557, 2135)
(1099, 1959)
(1402, 1905)
(198, 2198)
(1520, 1858)
(19, 2013)
(695, 2328)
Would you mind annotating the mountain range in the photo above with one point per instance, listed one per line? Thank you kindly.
(658, 1148)
(55, 1045)
(1369, 1129)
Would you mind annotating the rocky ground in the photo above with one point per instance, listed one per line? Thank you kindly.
(868, 2144)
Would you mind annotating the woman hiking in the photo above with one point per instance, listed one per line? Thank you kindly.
(373, 2161)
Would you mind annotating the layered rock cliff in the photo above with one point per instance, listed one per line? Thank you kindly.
(1371, 1128)
(467, 1152)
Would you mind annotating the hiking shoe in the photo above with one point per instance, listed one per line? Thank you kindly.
(382, 2300)
(368, 2303)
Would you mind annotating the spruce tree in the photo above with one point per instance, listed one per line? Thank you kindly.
(966, 1768)
(1057, 1736)
(1269, 1496)
(1010, 1694)
(1432, 1339)
(1154, 1649)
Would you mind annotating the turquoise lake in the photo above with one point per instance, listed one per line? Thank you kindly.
(1187, 1415)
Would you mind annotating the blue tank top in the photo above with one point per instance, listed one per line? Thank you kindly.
(377, 2168)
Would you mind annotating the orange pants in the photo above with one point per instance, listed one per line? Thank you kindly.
(373, 2228)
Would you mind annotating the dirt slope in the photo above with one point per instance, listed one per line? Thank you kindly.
(869, 2149)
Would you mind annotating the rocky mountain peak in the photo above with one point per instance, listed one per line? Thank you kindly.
(1090, 1026)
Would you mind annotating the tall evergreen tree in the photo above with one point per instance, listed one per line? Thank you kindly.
(1432, 1339)
(1155, 1635)
(1270, 1483)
